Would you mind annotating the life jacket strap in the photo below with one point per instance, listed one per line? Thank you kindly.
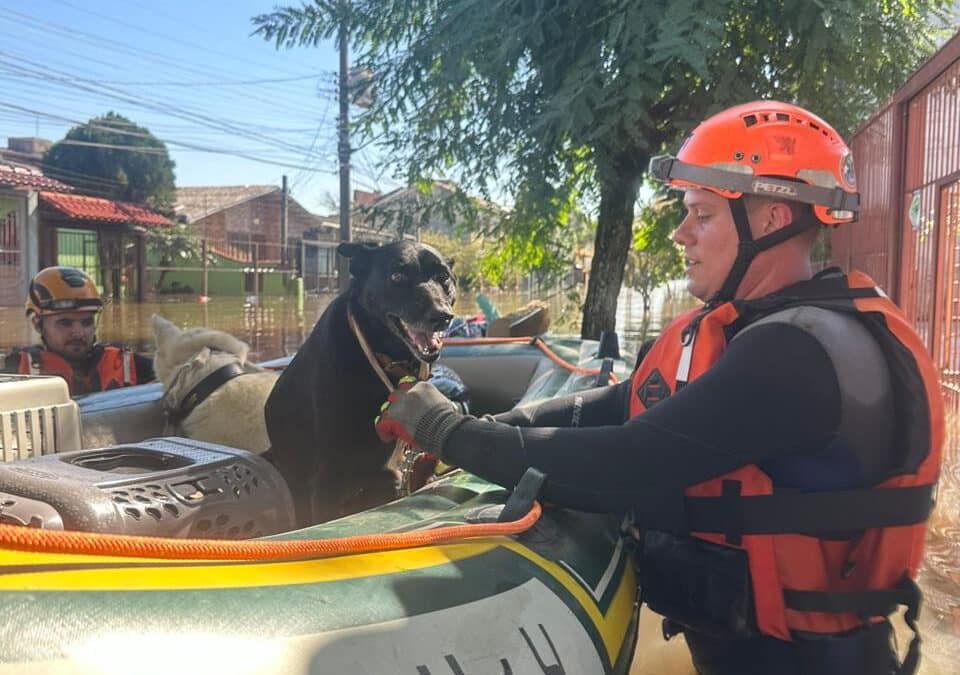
(816, 514)
(867, 604)
(126, 357)
(35, 361)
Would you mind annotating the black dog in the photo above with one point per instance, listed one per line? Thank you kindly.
(320, 413)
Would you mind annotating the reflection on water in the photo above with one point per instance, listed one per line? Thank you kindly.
(274, 327)
(940, 570)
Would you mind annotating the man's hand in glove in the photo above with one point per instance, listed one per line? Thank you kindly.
(417, 413)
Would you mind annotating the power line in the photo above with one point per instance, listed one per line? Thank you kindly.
(101, 42)
(199, 148)
(146, 150)
(210, 83)
(146, 103)
(170, 38)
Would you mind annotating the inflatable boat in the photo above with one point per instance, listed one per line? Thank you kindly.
(130, 552)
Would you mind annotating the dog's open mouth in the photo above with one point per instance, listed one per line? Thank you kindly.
(424, 344)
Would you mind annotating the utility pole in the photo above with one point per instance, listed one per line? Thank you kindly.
(284, 195)
(343, 151)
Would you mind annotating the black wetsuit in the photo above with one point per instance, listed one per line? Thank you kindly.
(773, 399)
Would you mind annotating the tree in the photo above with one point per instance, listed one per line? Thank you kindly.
(114, 158)
(174, 245)
(565, 101)
(653, 258)
(465, 256)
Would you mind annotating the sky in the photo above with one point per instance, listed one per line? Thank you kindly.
(191, 73)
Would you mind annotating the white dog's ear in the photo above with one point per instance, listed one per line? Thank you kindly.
(163, 330)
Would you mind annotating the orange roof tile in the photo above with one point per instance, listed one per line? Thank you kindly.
(104, 210)
(19, 175)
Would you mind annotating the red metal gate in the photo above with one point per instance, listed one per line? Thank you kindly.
(908, 157)
(929, 269)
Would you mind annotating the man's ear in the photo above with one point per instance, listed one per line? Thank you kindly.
(37, 322)
(359, 254)
(779, 215)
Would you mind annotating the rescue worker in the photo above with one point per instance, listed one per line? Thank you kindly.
(778, 446)
(63, 306)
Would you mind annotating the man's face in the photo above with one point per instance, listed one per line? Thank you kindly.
(70, 334)
(709, 240)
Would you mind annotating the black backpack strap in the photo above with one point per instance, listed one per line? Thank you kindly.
(867, 604)
(828, 289)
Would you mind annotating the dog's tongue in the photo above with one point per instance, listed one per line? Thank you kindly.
(427, 341)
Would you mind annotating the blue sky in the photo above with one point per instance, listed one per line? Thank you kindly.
(191, 73)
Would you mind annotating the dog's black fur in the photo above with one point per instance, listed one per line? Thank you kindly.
(320, 413)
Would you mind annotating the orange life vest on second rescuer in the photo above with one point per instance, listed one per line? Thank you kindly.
(115, 368)
(822, 562)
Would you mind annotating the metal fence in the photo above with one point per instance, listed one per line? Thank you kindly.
(10, 256)
(239, 266)
(908, 160)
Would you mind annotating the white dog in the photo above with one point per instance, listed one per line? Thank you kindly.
(232, 414)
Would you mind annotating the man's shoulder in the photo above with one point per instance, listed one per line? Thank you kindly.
(817, 321)
(10, 358)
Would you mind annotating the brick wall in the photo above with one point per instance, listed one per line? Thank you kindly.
(10, 295)
(260, 217)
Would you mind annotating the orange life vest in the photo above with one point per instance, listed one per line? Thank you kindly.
(114, 368)
(803, 576)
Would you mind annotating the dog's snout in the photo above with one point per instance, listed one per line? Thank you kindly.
(440, 320)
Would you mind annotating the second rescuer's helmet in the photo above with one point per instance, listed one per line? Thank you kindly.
(752, 147)
(62, 289)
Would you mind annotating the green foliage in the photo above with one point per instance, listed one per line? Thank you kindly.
(176, 246)
(654, 259)
(142, 176)
(432, 205)
(562, 102)
(466, 255)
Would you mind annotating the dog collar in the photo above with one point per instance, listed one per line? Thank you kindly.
(386, 365)
(202, 391)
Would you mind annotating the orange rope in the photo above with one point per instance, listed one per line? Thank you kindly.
(87, 543)
(489, 341)
(537, 342)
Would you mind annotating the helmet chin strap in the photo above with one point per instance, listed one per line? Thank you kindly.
(748, 247)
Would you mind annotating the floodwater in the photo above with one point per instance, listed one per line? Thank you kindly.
(276, 327)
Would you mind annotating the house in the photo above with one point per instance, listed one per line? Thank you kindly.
(43, 223)
(20, 187)
(409, 211)
(26, 151)
(241, 225)
(106, 238)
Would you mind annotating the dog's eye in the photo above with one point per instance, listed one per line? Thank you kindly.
(398, 277)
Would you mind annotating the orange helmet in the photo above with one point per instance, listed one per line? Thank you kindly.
(62, 289)
(747, 148)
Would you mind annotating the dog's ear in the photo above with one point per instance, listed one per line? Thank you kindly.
(163, 330)
(450, 262)
(359, 255)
